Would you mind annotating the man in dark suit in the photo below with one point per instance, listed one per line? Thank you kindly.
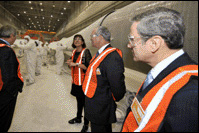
(168, 99)
(11, 81)
(104, 82)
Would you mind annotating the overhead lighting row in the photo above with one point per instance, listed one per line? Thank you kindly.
(42, 17)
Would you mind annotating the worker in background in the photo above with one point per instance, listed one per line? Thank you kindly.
(21, 51)
(52, 52)
(104, 82)
(59, 55)
(168, 99)
(31, 55)
(45, 50)
(11, 80)
(39, 58)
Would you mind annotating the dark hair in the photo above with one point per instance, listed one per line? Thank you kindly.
(164, 22)
(80, 36)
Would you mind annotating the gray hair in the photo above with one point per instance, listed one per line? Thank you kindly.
(102, 30)
(6, 31)
(164, 22)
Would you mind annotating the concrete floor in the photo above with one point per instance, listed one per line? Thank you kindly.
(47, 105)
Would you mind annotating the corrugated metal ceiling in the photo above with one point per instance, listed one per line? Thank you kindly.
(41, 15)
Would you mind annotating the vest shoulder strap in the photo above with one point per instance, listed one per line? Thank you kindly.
(2, 45)
(158, 99)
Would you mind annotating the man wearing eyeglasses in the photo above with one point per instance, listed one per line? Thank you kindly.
(167, 101)
(104, 82)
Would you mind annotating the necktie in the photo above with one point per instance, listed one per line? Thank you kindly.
(148, 80)
(97, 54)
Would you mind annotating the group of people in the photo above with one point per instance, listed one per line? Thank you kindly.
(36, 55)
(167, 101)
(32, 58)
(168, 98)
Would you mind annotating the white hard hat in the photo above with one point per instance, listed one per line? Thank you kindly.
(28, 37)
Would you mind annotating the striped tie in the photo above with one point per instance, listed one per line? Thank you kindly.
(148, 80)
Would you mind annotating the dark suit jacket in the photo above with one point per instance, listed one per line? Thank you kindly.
(9, 66)
(101, 108)
(182, 113)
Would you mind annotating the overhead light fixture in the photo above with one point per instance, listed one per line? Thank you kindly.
(31, 8)
(51, 16)
(42, 9)
(43, 17)
(58, 20)
(35, 16)
(61, 13)
(30, 2)
(24, 11)
(68, 1)
(53, 5)
(64, 8)
(18, 14)
(41, 4)
(29, 18)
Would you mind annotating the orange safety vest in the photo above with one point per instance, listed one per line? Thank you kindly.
(156, 101)
(76, 72)
(18, 70)
(90, 82)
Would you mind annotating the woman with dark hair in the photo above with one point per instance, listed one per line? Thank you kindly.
(78, 63)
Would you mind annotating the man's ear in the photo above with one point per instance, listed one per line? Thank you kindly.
(12, 35)
(156, 42)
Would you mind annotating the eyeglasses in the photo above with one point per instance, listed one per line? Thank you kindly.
(132, 40)
(78, 39)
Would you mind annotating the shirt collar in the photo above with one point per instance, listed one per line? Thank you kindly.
(102, 48)
(164, 63)
(5, 42)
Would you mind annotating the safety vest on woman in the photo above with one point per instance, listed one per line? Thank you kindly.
(18, 70)
(90, 82)
(148, 115)
(76, 72)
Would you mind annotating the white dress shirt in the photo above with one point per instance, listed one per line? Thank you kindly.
(5, 42)
(164, 63)
(102, 48)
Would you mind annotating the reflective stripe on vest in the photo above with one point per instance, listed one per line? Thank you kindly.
(90, 82)
(156, 101)
(18, 70)
(76, 72)
(2, 45)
